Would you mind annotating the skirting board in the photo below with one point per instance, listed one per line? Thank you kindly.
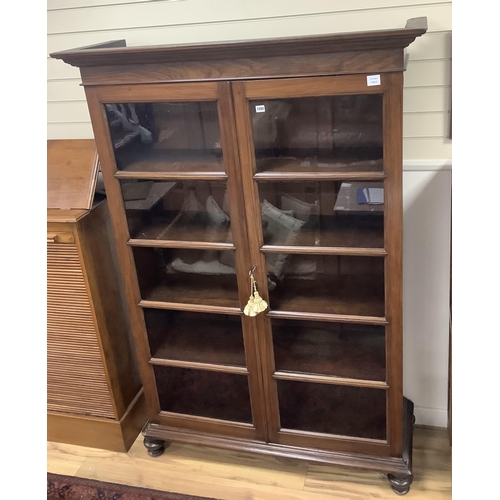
(100, 433)
(431, 416)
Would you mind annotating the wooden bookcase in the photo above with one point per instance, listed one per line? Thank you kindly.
(94, 392)
(279, 160)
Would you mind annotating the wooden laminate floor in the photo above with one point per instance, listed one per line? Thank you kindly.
(243, 476)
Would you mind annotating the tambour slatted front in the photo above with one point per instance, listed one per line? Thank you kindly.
(94, 394)
(76, 378)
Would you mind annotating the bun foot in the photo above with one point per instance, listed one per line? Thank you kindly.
(155, 447)
(400, 484)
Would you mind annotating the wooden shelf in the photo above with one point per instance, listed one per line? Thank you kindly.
(192, 235)
(194, 365)
(328, 317)
(328, 379)
(353, 352)
(178, 306)
(150, 163)
(168, 280)
(197, 175)
(325, 250)
(195, 245)
(310, 175)
(321, 166)
(220, 342)
(356, 234)
(193, 291)
(356, 296)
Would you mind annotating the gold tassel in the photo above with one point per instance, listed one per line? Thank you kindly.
(260, 304)
(249, 308)
(256, 304)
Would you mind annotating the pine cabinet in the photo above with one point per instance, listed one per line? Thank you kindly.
(94, 393)
(255, 191)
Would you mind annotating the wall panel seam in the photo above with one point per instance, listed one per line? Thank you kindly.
(257, 19)
(118, 4)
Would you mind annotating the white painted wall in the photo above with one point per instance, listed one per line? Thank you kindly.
(426, 147)
(426, 280)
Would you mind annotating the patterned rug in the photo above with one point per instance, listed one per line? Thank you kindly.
(76, 488)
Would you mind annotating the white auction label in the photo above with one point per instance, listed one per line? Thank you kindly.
(260, 109)
(372, 80)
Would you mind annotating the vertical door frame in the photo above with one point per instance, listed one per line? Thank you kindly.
(218, 92)
(391, 91)
(393, 242)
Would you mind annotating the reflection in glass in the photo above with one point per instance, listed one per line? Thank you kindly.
(177, 211)
(178, 275)
(333, 409)
(176, 335)
(323, 214)
(327, 133)
(338, 349)
(326, 284)
(159, 137)
(208, 394)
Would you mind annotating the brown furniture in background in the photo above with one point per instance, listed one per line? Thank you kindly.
(94, 394)
(278, 161)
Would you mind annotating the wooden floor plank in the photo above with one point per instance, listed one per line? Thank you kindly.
(74, 451)
(156, 475)
(67, 466)
(248, 467)
(345, 484)
(431, 471)
(229, 475)
(66, 459)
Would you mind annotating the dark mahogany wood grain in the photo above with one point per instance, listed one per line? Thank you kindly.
(393, 153)
(350, 452)
(263, 383)
(208, 425)
(325, 44)
(344, 53)
(124, 252)
(246, 68)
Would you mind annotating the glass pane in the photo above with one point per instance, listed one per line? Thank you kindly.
(207, 394)
(332, 409)
(318, 134)
(165, 137)
(323, 214)
(204, 277)
(331, 284)
(176, 335)
(342, 350)
(177, 211)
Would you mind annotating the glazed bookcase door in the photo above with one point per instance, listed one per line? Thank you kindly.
(172, 176)
(320, 177)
